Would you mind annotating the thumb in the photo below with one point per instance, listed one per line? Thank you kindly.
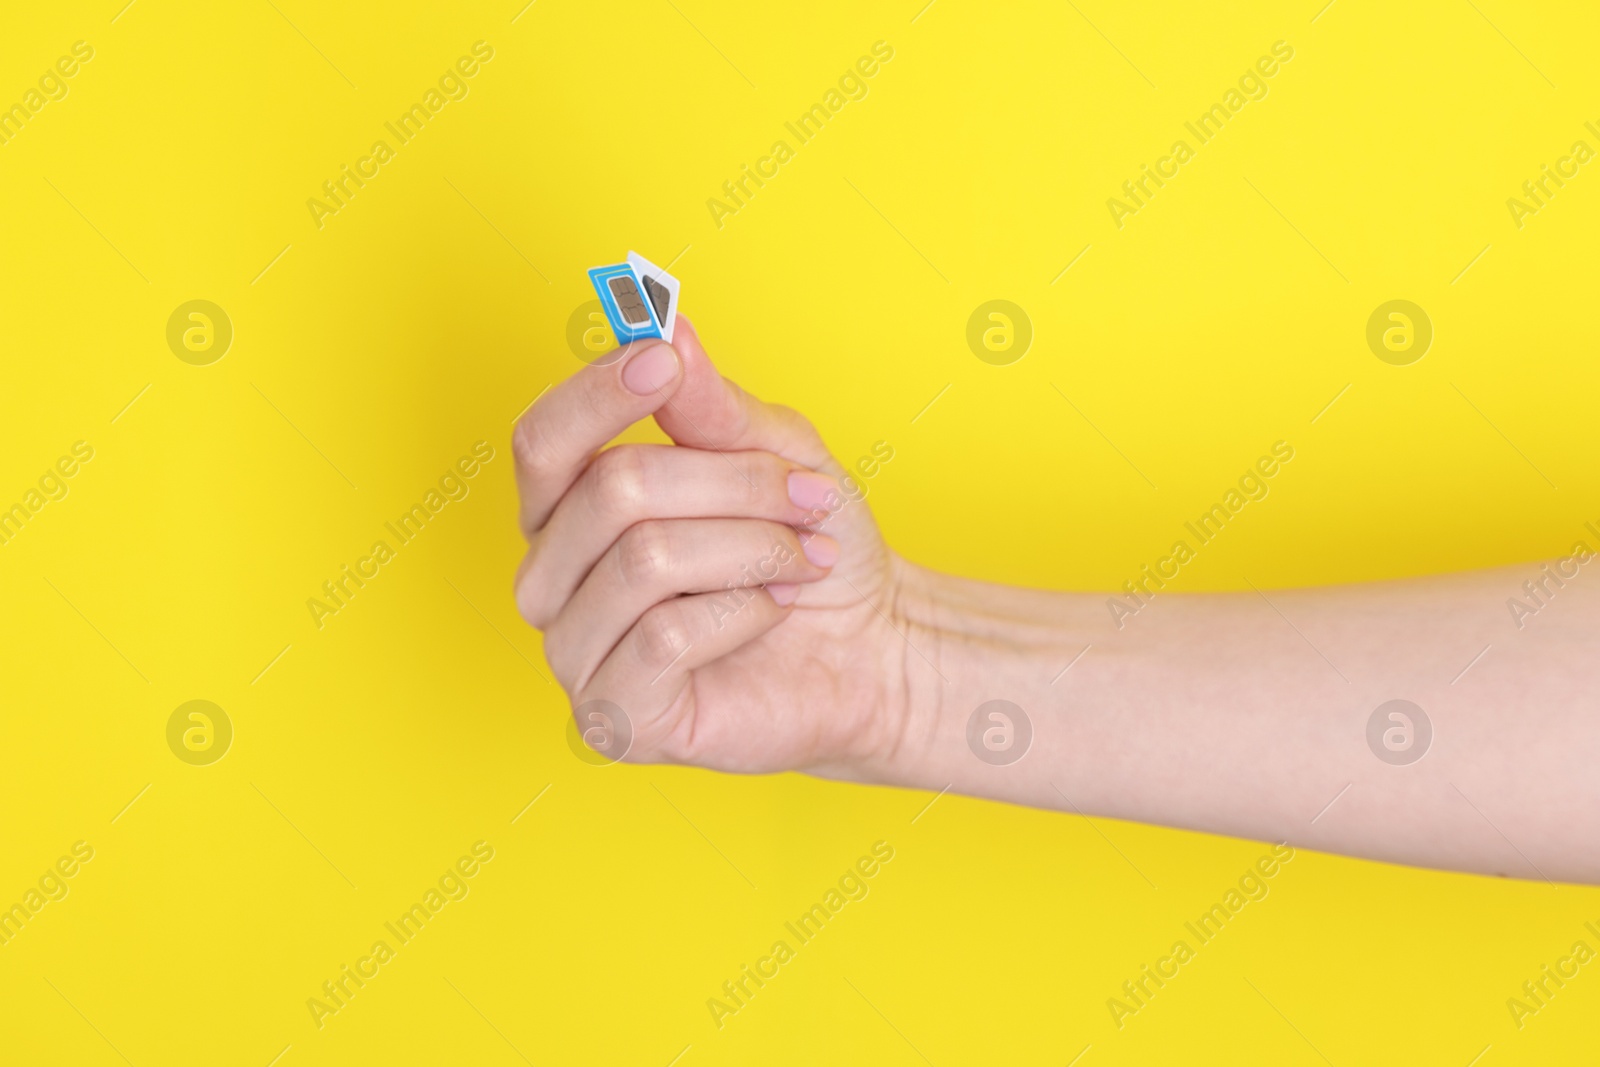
(710, 412)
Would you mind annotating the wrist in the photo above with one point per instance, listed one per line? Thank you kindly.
(968, 645)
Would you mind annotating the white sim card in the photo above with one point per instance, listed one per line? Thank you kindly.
(660, 288)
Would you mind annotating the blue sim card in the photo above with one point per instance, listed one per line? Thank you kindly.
(639, 298)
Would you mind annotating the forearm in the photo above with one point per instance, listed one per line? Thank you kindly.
(1247, 714)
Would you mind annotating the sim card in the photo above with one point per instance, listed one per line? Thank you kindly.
(639, 298)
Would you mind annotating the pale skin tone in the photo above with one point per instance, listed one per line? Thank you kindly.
(1239, 713)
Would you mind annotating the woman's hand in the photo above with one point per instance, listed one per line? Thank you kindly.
(724, 601)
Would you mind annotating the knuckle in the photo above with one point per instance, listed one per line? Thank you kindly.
(620, 482)
(751, 491)
(663, 635)
(796, 422)
(764, 483)
(528, 592)
(530, 445)
(645, 553)
(559, 653)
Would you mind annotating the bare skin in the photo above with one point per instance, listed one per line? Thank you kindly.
(1240, 713)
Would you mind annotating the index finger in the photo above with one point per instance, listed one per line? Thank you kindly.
(555, 439)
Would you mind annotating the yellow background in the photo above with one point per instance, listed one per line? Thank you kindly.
(377, 349)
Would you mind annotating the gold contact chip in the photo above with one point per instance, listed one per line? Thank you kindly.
(629, 302)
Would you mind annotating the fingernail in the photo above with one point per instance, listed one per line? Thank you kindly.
(821, 550)
(785, 593)
(812, 491)
(651, 369)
